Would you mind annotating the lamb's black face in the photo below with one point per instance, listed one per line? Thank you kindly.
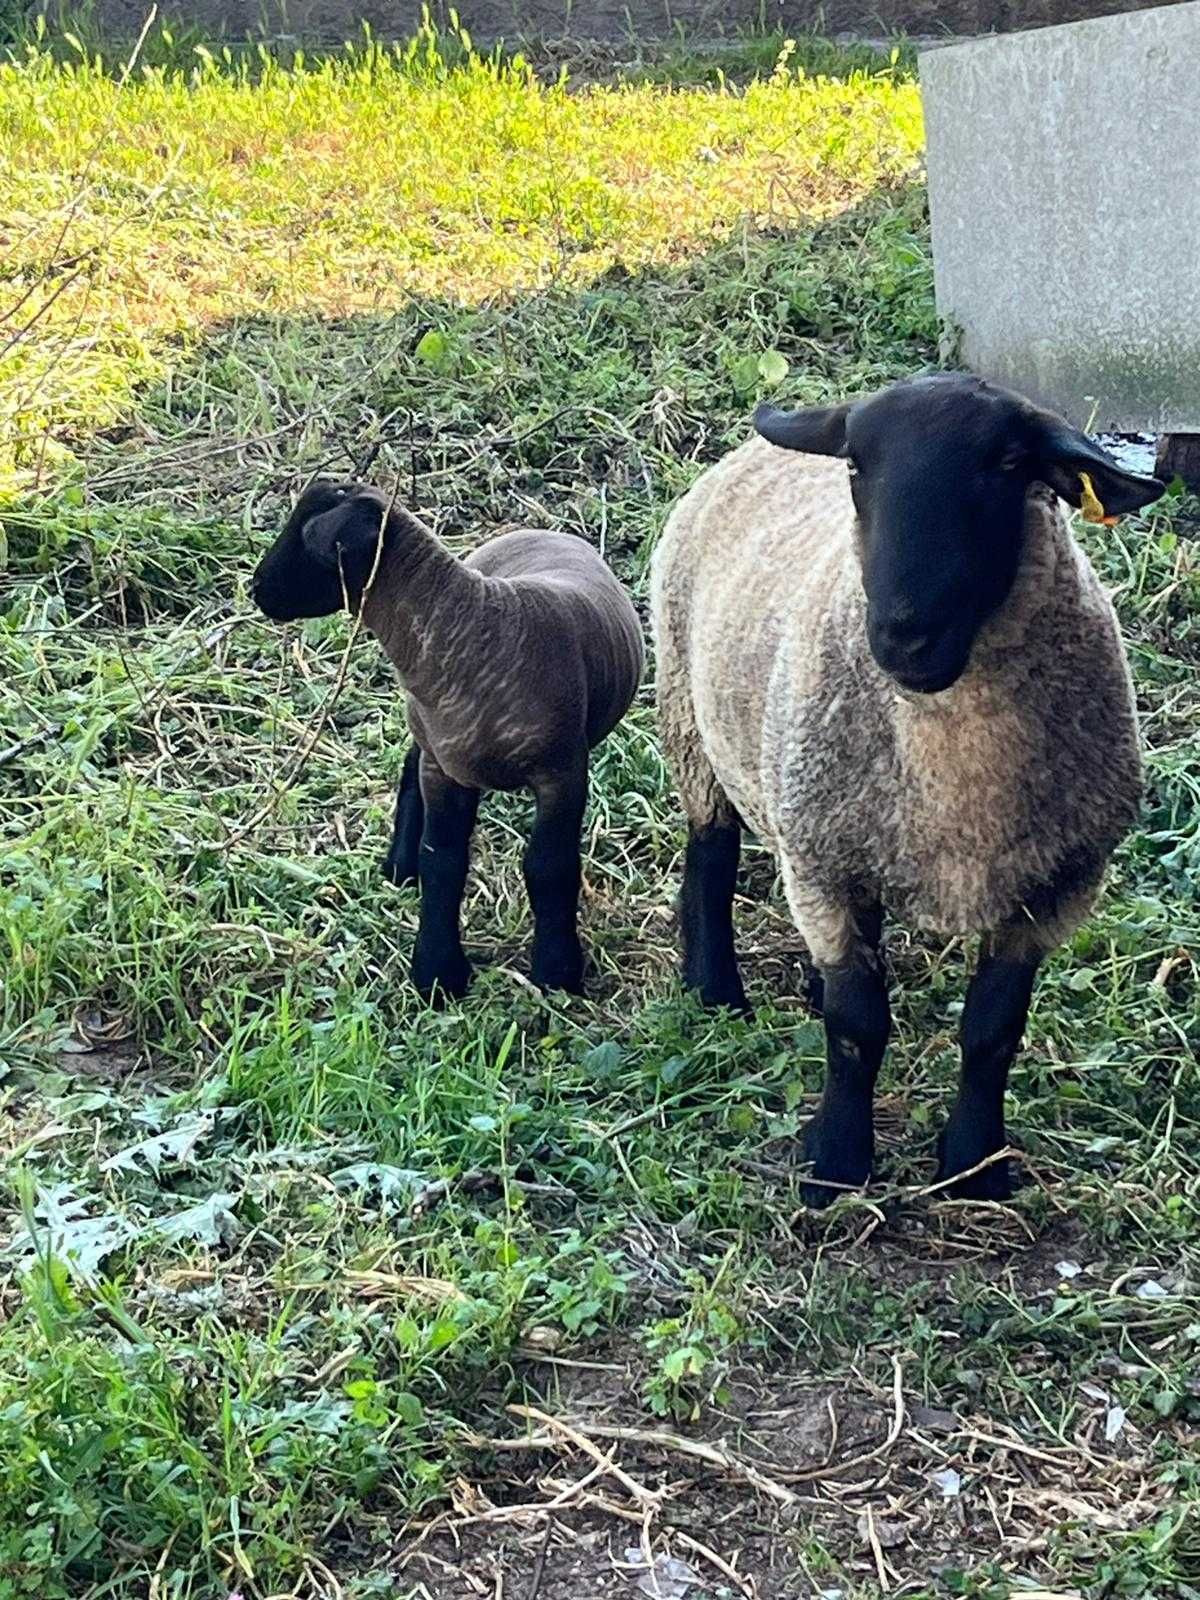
(940, 468)
(314, 562)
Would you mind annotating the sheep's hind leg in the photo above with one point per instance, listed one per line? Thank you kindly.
(840, 1139)
(552, 878)
(401, 865)
(440, 967)
(710, 964)
(993, 1021)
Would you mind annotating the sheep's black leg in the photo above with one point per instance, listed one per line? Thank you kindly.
(439, 963)
(840, 1139)
(706, 915)
(993, 1021)
(552, 878)
(401, 865)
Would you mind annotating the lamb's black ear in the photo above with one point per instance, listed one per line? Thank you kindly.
(817, 430)
(1062, 453)
(353, 527)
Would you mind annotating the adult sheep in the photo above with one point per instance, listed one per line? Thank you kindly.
(517, 661)
(881, 649)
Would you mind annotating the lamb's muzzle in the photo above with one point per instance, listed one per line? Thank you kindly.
(881, 649)
(517, 662)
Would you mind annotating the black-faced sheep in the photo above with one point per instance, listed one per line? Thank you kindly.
(517, 661)
(881, 649)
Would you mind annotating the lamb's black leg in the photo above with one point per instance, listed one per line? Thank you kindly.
(401, 865)
(706, 915)
(552, 878)
(439, 961)
(840, 1139)
(993, 1021)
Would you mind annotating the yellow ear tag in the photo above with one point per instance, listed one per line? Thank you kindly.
(1090, 508)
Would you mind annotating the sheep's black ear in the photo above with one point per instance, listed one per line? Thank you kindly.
(353, 528)
(817, 430)
(1062, 454)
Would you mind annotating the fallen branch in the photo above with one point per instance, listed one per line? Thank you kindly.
(746, 1585)
(645, 1497)
(700, 1450)
(980, 1166)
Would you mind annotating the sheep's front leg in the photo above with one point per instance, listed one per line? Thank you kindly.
(710, 964)
(402, 864)
(840, 1139)
(552, 879)
(439, 964)
(993, 1021)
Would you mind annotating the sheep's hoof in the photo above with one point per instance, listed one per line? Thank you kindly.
(437, 981)
(560, 972)
(842, 1155)
(732, 998)
(402, 873)
(549, 985)
(991, 1183)
(720, 992)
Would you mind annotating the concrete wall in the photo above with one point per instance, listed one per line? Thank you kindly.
(1064, 183)
(612, 20)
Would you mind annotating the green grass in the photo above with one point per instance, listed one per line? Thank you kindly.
(282, 1246)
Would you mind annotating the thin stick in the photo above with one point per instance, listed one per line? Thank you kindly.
(746, 1585)
(1054, 1460)
(697, 1449)
(540, 1565)
(324, 710)
(980, 1166)
(644, 1496)
(877, 1551)
(93, 154)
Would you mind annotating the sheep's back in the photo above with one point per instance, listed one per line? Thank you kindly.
(757, 553)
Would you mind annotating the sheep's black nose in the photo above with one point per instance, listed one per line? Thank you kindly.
(904, 639)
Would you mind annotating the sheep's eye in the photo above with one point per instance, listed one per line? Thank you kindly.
(1011, 460)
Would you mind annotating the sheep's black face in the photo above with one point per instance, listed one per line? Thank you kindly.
(323, 555)
(940, 468)
(939, 482)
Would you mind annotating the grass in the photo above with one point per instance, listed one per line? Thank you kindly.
(283, 1246)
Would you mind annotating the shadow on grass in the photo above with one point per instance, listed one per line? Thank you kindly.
(586, 408)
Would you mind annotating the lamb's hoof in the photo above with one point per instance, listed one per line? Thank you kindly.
(402, 873)
(955, 1154)
(842, 1155)
(440, 979)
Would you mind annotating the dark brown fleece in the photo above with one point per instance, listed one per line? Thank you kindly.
(514, 659)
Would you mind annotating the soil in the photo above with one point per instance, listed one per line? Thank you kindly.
(862, 1481)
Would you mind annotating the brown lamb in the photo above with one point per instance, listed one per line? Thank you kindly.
(516, 662)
